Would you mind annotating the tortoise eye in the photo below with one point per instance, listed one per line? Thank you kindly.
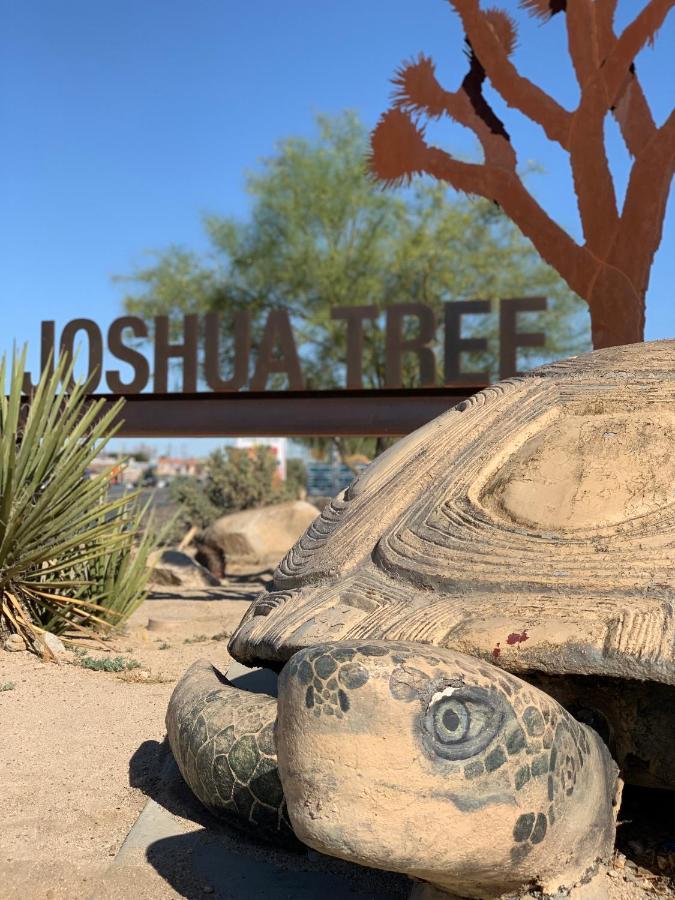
(461, 722)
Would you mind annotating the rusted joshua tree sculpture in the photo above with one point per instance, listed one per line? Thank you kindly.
(611, 269)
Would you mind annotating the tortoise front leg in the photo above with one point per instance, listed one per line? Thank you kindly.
(223, 741)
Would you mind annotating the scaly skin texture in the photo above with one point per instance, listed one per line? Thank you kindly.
(223, 741)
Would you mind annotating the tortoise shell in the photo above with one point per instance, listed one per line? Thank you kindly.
(532, 525)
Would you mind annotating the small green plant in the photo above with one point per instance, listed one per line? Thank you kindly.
(71, 559)
(196, 639)
(116, 664)
(221, 636)
(164, 646)
(7, 686)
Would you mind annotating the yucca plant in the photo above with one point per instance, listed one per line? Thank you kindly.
(71, 560)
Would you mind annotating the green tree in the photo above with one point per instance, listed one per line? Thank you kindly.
(322, 234)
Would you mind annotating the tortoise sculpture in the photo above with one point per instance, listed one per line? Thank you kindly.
(473, 639)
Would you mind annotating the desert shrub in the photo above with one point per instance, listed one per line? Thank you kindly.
(193, 505)
(104, 664)
(241, 479)
(296, 478)
(71, 559)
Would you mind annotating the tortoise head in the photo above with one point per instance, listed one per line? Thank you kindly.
(436, 764)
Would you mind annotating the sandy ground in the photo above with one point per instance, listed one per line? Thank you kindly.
(81, 751)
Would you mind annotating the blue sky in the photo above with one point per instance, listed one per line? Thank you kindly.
(123, 122)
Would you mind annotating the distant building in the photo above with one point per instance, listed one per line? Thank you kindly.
(278, 446)
(122, 471)
(168, 467)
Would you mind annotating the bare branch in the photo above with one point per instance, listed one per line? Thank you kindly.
(593, 182)
(630, 108)
(634, 116)
(418, 91)
(399, 151)
(576, 264)
(640, 232)
(640, 31)
(582, 40)
(516, 90)
(605, 9)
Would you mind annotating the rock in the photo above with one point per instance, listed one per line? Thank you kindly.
(212, 558)
(261, 535)
(53, 643)
(172, 567)
(14, 643)
(164, 577)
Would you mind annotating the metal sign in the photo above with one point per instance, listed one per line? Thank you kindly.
(277, 352)
(238, 404)
(284, 413)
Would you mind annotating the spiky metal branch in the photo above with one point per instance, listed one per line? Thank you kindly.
(610, 270)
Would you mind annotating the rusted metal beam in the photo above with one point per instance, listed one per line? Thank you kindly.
(285, 413)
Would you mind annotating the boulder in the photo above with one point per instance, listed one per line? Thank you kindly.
(172, 567)
(262, 535)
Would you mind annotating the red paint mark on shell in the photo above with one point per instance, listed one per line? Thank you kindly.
(516, 638)
(496, 651)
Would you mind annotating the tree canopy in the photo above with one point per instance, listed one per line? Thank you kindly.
(321, 233)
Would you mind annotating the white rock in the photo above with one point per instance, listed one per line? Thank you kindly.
(14, 643)
(53, 643)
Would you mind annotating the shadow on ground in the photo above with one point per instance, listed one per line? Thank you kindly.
(240, 586)
(229, 863)
(230, 867)
(153, 770)
(646, 831)
(205, 593)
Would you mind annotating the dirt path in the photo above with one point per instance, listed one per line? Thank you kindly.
(77, 746)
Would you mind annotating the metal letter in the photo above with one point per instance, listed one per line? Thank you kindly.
(47, 341)
(241, 340)
(354, 316)
(128, 355)
(510, 339)
(95, 363)
(187, 351)
(396, 345)
(455, 344)
(277, 330)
